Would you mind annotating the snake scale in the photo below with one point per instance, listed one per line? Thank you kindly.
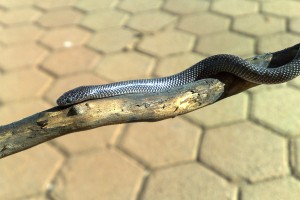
(203, 69)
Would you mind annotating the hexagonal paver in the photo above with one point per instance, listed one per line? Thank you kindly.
(113, 40)
(36, 166)
(258, 25)
(21, 110)
(286, 8)
(21, 55)
(68, 61)
(117, 176)
(61, 17)
(90, 5)
(20, 15)
(226, 42)
(168, 42)
(186, 6)
(227, 111)
(139, 6)
(294, 25)
(235, 7)
(278, 109)
(16, 3)
(277, 42)
(65, 37)
(50, 4)
(129, 65)
(189, 181)
(21, 84)
(207, 23)
(64, 84)
(20, 34)
(176, 141)
(295, 155)
(103, 20)
(150, 21)
(245, 151)
(286, 188)
(176, 63)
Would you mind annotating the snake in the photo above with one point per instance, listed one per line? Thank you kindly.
(204, 69)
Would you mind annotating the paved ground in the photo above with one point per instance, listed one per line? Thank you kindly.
(244, 148)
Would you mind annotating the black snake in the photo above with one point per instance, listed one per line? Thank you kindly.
(203, 69)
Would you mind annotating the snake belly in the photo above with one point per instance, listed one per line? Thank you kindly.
(203, 69)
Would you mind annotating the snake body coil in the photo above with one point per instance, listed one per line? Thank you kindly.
(203, 69)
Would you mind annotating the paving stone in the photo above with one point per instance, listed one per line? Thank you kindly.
(258, 25)
(50, 4)
(29, 172)
(21, 85)
(277, 42)
(105, 19)
(295, 156)
(166, 43)
(287, 9)
(129, 65)
(283, 117)
(65, 37)
(69, 61)
(20, 15)
(21, 55)
(61, 17)
(117, 176)
(176, 141)
(294, 25)
(235, 7)
(16, 3)
(20, 34)
(231, 43)
(286, 188)
(245, 151)
(188, 181)
(91, 5)
(210, 23)
(186, 6)
(113, 40)
(20, 110)
(139, 6)
(64, 84)
(150, 21)
(176, 63)
(227, 111)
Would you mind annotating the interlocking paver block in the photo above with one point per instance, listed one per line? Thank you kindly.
(245, 151)
(286, 8)
(20, 85)
(21, 55)
(20, 15)
(129, 65)
(189, 181)
(139, 6)
(113, 40)
(92, 5)
(64, 84)
(176, 63)
(282, 116)
(28, 173)
(295, 25)
(105, 19)
(105, 174)
(168, 42)
(52, 4)
(295, 156)
(150, 21)
(258, 25)
(61, 17)
(186, 6)
(176, 141)
(226, 42)
(20, 34)
(16, 3)
(235, 7)
(65, 37)
(204, 23)
(68, 61)
(286, 188)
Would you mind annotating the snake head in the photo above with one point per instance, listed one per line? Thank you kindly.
(71, 97)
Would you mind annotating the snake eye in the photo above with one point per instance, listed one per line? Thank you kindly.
(68, 100)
